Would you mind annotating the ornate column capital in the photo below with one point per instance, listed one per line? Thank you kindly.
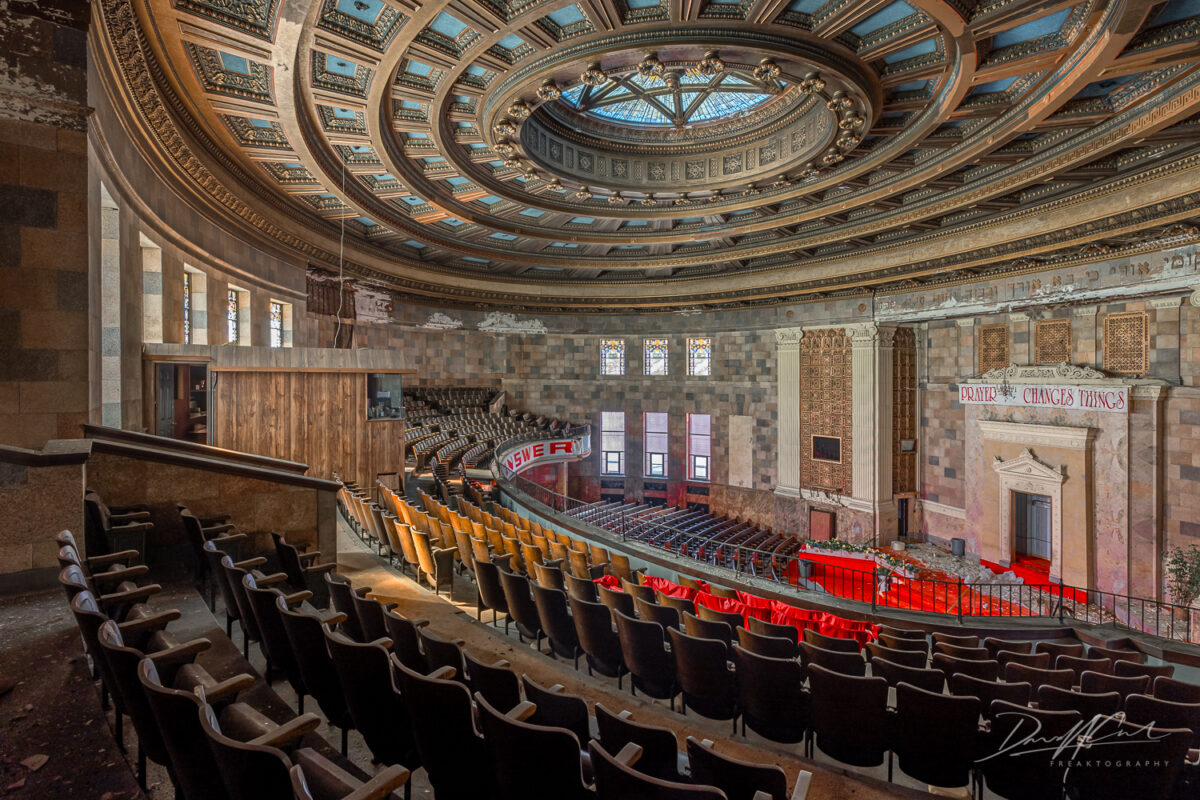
(1195, 298)
(788, 336)
(865, 334)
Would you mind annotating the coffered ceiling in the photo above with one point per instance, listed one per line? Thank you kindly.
(565, 153)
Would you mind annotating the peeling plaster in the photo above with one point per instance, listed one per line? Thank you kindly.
(503, 322)
(441, 322)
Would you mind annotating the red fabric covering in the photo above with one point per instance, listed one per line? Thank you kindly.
(610, 582)
(773, 611)
(669, 588)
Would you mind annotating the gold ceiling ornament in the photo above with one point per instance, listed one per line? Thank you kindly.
(841, 101)
(782, 182)
(549, 92)
(505, 128)
(767, 70)
(650, 66)
(851, 122)
(554, 185)
(648, 200)
(810, 170)
(847, 141)
(715, 197)
(683, 200)
(583, 194)
(752, 190)
(711, 64)
(506, 148)
(512, 162)
(519, 109)
(832, 157)
(812, 83)
(531, 174)
(594, 76)
(615, 199)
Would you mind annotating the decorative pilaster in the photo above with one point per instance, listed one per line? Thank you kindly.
(871, 354)
(787, 342)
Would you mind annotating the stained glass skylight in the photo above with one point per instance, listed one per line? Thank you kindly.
(676, 99)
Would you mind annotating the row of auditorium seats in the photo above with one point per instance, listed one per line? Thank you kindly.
(697, 534)
(729, 666)
(209, 735)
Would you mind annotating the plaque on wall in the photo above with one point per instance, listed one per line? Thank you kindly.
(827, 448)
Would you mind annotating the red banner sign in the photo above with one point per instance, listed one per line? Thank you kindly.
(1114, 399)
(549, 450)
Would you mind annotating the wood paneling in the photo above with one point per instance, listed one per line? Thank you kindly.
(318, 418)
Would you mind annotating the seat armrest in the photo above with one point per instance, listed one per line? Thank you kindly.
(121, 518)
(383, 641)
(153, 622)
(445, 673)
(230, 539)
(137, 595)
(210, 531)
(129, 527)
(522, 711)
(800, 790)
(219, 519)
(309, 556)
(289, 732)
(501, 664)
(317, 569)
(629, 754)
(297, 597)
(227, 690)
(335, 618)
(113, 558)
(381, 785)
(115, 576)
(274, 577)
(250, 563)
(180, 654)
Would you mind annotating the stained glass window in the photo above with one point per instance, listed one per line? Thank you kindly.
(231, 316)
(655, 436)
(612, 357)
(187, 307)
(699, 446)
(699, 356)
(656, 356)
(276, 324)
(612, 442)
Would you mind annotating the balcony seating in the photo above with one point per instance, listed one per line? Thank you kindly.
(1052, 698)
(659, 757)
(497, 681)
(305, 633)
(521, 607)
(934, 736)
(704, 675)
(1019, 673)
(597, 638)
(651, 667)
(994, 645)
(1155, 764)
(849, 716)
(1056, 649)
(739, 780)
(987, 691)
(556, 708)
(1098, 682)
(558, 772)
(303, 569)
(835, 660)
(771, 696)
(1005, 657)
(489, 591)
(984, 670)
(916, 659)
(405, 636)
(769, 646)
(1024, 774)
(931, 680)
(618, 779)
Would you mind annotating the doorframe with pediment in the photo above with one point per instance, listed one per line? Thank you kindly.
(1025, 473)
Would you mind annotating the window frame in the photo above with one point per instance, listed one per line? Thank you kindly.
(693, 457)
(618, 346)
(605, 452)
(648, 454)
(662, 343)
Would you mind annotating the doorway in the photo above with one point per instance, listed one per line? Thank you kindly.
(902, 518)
(822, 525)
(1031, 523)
(181, 401)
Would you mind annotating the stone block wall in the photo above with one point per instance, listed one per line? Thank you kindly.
(559, 375)
(44, 299)
(27, 537)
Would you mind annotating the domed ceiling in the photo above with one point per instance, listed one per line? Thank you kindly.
(667, 153)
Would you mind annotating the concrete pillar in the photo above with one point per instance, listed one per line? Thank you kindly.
(562, 485)
(787, 341)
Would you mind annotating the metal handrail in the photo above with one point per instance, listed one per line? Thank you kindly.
(885, 588)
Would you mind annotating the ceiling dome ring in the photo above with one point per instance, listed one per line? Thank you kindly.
(764, 112)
